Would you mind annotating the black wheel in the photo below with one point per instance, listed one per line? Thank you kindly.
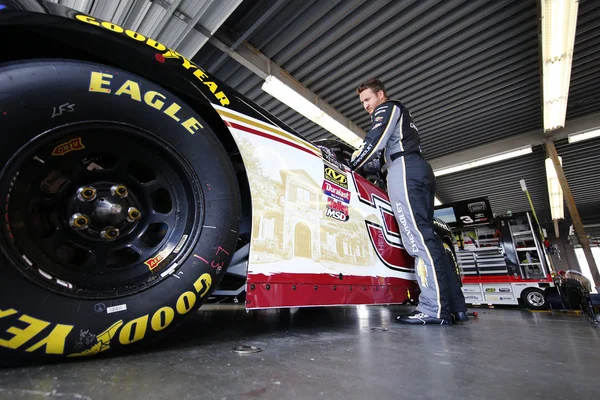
(534, 298)
(121, 210)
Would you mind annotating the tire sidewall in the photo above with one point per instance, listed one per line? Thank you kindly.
(31, 94)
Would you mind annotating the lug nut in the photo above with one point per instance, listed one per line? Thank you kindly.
(79, 221)
(133, 214)
(86, 193)
(119, 190)
(109, 233)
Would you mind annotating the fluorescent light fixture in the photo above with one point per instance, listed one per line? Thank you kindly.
(301, 104)
(483, 161)
(579, 136)
(559, 21)
(555, 193)
(436, 201)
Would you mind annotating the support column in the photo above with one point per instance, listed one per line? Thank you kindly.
(579, 230)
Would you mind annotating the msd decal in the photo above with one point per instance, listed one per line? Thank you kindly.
(337, 210)
(385, 239)
(336, 192)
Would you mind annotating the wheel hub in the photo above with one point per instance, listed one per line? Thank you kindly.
(104, 210)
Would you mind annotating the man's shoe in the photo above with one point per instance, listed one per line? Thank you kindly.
(460, 316)
(403, 316)
(419, 318)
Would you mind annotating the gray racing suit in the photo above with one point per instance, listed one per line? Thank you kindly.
(411, 188)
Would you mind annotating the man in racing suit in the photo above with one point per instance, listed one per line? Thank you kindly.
(411, 188)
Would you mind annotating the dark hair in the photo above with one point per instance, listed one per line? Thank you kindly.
(374, 84)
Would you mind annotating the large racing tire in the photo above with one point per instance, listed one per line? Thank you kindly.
(121, 210)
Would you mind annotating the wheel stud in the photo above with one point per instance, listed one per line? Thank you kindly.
(119, 190)
(109, 233)
(86, 193)
(79, 221)
(133, 214)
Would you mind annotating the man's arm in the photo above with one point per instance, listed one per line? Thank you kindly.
(385, 118)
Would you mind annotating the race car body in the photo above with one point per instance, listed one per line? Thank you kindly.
(134, 184)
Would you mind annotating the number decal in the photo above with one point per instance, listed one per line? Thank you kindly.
(385, 239)
(466, 219)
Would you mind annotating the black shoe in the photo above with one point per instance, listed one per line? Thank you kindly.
(403, 316)
(419, 318)
(460, 316)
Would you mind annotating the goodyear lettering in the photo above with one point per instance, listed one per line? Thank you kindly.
(203, 284)
(169, 53)
(185, 302)
(102, 83)
(162, 318)
(112, 27)
(27, 328)
(201, 75)
(336, 177)
(53, 343)
(134, 330)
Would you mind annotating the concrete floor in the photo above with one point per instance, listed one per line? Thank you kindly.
(338, 353)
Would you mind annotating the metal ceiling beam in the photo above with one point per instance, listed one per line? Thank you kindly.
(251, 58)
(533, 138)
(267, 14)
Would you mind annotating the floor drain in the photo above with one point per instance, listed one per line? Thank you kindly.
(246, 349)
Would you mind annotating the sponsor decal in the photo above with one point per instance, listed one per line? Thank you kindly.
(337, 210)
(380, 110)
(336, 192)
(377, 119)
(409, 233)
(199, 74)
(67, 147)
(504, 290)
(337, 177)
(377, 125)
(490, 290)
(422, 271)
(336, 215)
(154, 262)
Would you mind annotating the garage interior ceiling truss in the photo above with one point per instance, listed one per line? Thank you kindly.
(468, 70)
